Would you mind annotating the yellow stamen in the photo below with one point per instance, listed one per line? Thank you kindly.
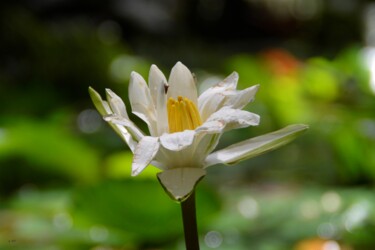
(171, 114)
(182, 115)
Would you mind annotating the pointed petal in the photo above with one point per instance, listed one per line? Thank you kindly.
(116, 104)
(255, 146)
(206, 145)
(227, 119)
(155, 79)
(126, 136)
(181, 83)
(141, 102)
(179, 183)
(225, 94)
(158, 88)
(229, 83)
(105, 110)
(100, 105)
(144, 153)
(177, 141)
(240, 99)
(136, 133)
(161, 111)
(210, 102)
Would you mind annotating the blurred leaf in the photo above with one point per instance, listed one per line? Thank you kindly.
(140, 208)
(319, 79)
(48, 148)
(119, 165)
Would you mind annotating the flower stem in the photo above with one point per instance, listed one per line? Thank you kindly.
(190, 223)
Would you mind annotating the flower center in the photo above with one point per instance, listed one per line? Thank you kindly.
(182, 115)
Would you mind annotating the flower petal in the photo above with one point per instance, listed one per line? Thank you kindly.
(155, 79)
(181, 83)
(179, 183)
(230, 82)
(240, 99)
(141, 102)
(105, 110)
(227, 119)
(210, 103)
(177, 141)
(116, 104)
(102, 106)
(255, 146)
(144, 153)
(225, 94)
(136, 133)
(158, 87)
(206, 144)
(126, 136)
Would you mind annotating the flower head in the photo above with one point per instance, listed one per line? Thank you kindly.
(185, 128)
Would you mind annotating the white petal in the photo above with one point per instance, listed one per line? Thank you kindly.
(230, 83)
(126, 136)
(191, 156)
(144, 153)
(155, 79)
(240, 99)
(105, 110)
(255, 146)
(136, 133)
(141, 102)
(116, 104)
(203, 144)
(179, 183)
(158, 87)
(181, 83)
(210, 102)
(158, 164)
(227, 119)
(225, 94)
(100, 105)
(161, 112)
(177, 141)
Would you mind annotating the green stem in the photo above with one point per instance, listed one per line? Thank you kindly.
(190, 223)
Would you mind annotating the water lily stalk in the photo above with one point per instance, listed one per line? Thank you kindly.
(189, 219)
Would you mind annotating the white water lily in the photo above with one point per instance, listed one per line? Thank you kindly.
(185, 128)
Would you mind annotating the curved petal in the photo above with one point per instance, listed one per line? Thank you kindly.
(126, 136)
(136, 133)
(224, 94)
(206, 144)
(155, 79)
(240, 99)
(179, 183)
(144, 153)
(177, 141)
(105, 110)
(158, 87)
(210, 102)
(255, 146)
(181, 83)
(116, 104)
(227, 119)
(102, 106)
(188, 156)
(141, 101)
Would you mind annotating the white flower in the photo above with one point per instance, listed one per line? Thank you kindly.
(184, 128)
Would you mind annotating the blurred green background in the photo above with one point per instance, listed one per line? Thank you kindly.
(65, 175)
